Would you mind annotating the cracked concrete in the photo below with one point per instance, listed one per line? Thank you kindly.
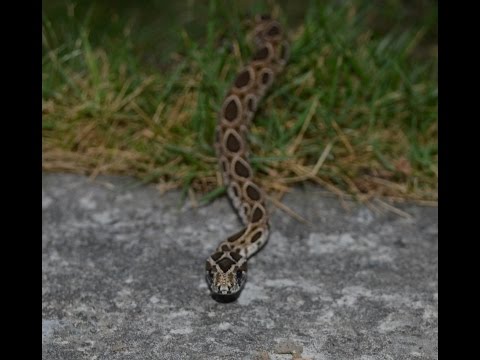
(122, 278)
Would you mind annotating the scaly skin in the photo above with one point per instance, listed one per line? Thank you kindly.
(226, 268)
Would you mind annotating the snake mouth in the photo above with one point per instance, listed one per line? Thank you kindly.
(227, 298)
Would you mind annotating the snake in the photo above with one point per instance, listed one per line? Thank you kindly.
(226, 268)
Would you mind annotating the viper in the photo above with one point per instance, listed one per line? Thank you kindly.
(226, 268)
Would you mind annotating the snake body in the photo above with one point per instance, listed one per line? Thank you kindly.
(226, 268)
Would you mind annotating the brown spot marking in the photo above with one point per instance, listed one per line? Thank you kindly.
(225, 264)
(244, 266)
(225, 247)
(216, 256)
(232, 143)
(261, 54)
(257, 214)
(235, 190)
(235, 256)
(256, 236)
(208, 266)
(252, 192)
(231, 110)
(266, 78)
(274, 30)
(236, 236)
(241, 169)
(242, 79)
(224, 165)
(246, 209)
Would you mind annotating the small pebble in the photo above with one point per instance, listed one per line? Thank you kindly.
(288, 347)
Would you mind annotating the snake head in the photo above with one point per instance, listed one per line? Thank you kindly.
(226, 274)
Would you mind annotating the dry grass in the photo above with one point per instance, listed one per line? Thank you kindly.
(354, 113)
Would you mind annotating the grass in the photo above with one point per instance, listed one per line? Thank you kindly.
(355, 110)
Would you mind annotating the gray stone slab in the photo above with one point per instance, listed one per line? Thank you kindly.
(122, 278)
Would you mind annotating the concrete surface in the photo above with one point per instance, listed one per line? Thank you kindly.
(122, 278)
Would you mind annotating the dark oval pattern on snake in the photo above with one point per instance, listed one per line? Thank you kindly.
(235, 190)
(266, 78)
(232, 143)
(242, 79)
(246, 209)
(257, 214)
(237, 235)
(256, 236)
(252, 192)
(241, 169)
(261, 54)
(273, 31)
(224, 165)
(231, 110)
